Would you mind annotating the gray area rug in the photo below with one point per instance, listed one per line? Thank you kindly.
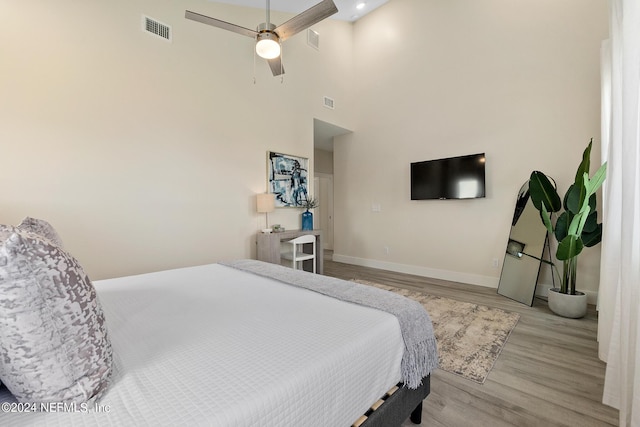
(470, 336)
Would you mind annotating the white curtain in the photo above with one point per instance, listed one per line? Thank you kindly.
(609, 267)
(619, 293)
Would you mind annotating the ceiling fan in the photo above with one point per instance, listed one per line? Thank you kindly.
(269, 37)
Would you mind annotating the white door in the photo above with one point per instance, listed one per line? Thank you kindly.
(323, 219)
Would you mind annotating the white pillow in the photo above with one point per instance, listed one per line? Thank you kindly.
(54, 345)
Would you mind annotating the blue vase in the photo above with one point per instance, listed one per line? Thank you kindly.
(307, 220)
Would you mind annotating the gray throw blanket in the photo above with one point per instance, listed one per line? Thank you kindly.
(420, 353)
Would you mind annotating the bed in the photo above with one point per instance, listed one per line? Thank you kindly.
(221, 345)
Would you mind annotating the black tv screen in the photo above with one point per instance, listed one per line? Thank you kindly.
(452, 178)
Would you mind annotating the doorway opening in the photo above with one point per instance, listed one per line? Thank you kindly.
(323, 145)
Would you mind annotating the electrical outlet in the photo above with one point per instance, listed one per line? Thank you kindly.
(375, 207)
(496, 263)
(387, 251)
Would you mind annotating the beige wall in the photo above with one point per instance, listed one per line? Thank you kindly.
(144, 154)
(517, 80)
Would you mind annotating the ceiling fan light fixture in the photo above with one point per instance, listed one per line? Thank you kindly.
(267, 36)
(267, 46)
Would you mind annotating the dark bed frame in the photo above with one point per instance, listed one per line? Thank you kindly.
(402, 404)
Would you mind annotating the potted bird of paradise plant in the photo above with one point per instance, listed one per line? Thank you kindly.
(573, 221)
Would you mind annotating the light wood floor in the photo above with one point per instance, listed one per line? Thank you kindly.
(548, 373)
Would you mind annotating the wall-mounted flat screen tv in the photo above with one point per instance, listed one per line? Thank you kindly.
(451, 178)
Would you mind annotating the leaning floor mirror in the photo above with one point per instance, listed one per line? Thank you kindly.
(527, 238)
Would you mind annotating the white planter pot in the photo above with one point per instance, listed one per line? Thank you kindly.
(565, 305)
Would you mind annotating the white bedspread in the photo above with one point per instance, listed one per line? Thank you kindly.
(211, 345)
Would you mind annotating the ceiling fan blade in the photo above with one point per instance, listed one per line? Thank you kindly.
(304, 20)
(220, 24)
(276, 66)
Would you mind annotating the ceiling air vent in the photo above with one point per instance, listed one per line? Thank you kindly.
(156, 28)
(329, 102)
(313, 39)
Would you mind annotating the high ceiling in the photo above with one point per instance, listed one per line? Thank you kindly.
(346, 8)
(347, 11)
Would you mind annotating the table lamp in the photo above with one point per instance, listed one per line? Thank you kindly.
(266, 203)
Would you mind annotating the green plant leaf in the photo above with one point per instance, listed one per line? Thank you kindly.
(572, 198)
(569, 247)
(562, 225)
(577, 222)
(546, 218)
(592, 238)
(585, 164)
(591, 224)
(597, 180)
(542, 192)
(583, 168)
(584, 215)
(573, 225)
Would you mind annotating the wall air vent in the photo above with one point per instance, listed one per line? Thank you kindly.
(156, 28)
(329, 102)
(313, 39)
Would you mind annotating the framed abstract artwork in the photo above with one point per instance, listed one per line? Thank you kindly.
(288, 178)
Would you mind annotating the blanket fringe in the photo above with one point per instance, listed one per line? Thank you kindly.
(418, 362)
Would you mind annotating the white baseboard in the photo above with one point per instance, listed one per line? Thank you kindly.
(454, 276)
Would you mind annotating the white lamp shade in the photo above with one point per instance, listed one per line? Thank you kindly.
(268, 48)
(265, 203)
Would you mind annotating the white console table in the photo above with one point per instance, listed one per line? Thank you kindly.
(269, 246)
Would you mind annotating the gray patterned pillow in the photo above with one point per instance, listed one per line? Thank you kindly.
(41, 227)
(53, 338)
